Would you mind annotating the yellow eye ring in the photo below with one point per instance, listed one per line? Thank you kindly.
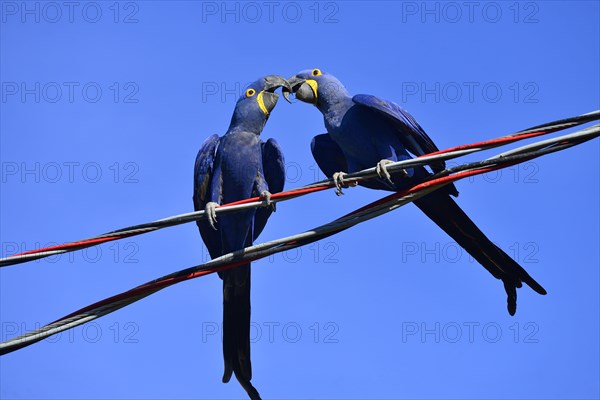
(250, 92)
(316, 72)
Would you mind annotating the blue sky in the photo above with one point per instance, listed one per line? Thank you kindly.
(104, 106)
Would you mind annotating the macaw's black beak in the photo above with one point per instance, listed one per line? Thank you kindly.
(304, 90)
(268, 96)
(274, 82)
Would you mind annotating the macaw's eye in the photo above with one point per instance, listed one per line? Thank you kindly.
(316, 72)
(250, 92)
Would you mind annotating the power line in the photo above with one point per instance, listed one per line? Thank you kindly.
(255, 252)
(254, 202)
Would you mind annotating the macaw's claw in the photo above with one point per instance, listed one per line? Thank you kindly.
(266, 197)
(382, 170)
(338, 179)
(211, 214)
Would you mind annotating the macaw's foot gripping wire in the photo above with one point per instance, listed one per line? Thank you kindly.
(255, 252)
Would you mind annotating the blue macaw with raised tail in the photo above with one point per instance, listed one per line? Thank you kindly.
(364, 131)
(237, 166)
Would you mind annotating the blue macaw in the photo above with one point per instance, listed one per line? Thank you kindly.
(364, 131)
(233, 167)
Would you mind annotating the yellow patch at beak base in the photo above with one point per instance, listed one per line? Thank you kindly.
(261, 102)
(314, 86)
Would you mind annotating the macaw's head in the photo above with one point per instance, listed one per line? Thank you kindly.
(256, 103)
(316, 87)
